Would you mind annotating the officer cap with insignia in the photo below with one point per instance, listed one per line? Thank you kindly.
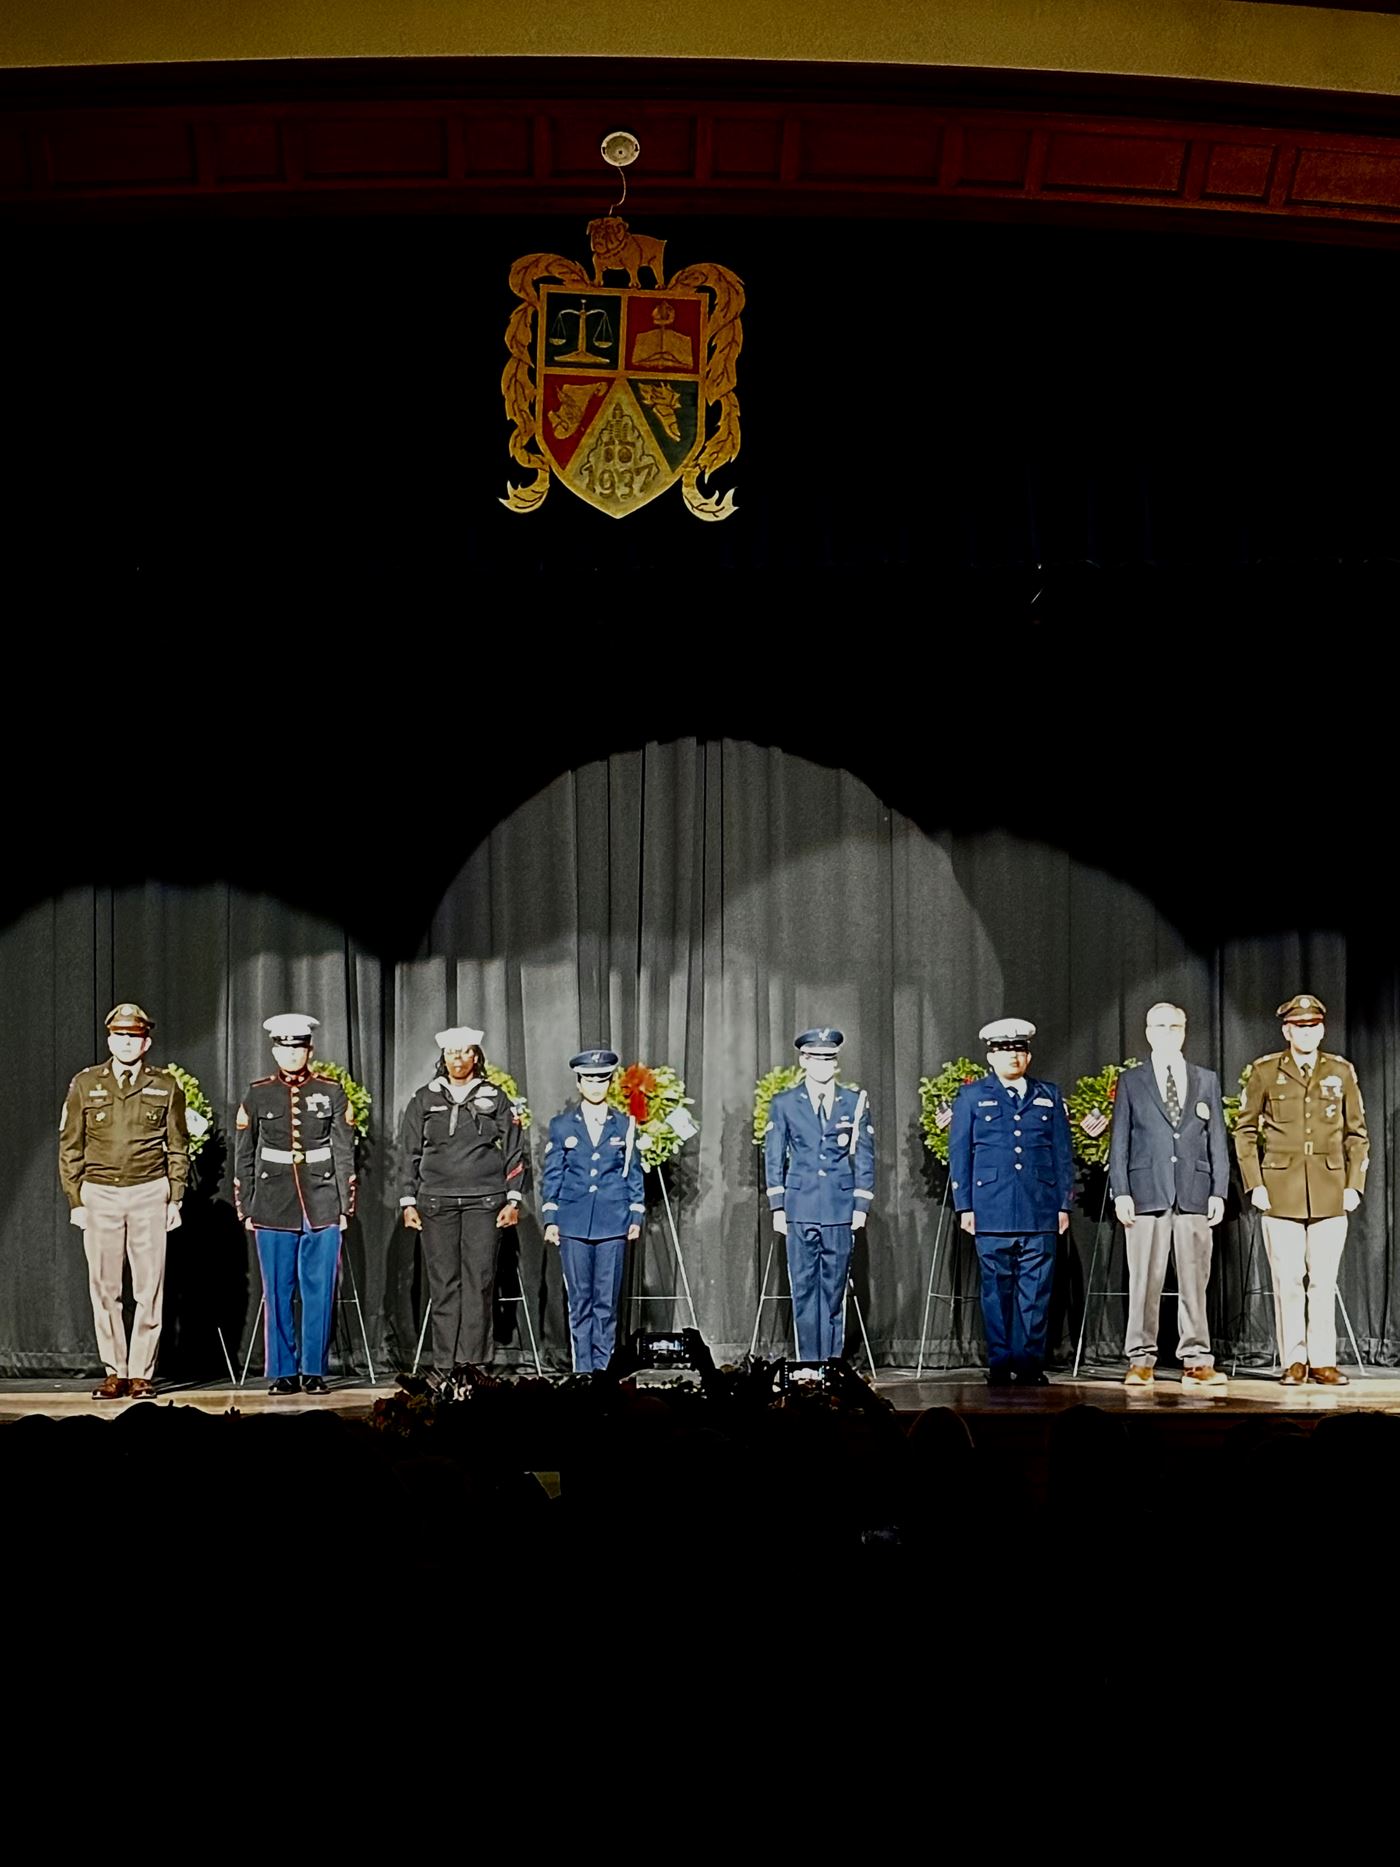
(130, 1018)
(459, 1037)
(1302, 1008)
(595, 1062)
(290, 1027)
(824, 1042)
(1007, 1034)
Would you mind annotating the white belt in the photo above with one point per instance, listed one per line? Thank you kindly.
(288, 1157)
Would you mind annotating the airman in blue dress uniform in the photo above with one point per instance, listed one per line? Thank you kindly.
(819, 1165)
(1011, 1175)
(592, 1202)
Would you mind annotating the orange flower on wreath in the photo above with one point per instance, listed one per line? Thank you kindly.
(638, 1087)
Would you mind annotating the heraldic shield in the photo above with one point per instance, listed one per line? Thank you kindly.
(619, 390)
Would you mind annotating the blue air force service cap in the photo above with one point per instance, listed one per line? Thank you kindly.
(594, 1062)
(821, 1043)
(1007, 1034)
(290, 1027)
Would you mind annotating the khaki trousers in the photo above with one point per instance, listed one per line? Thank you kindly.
(126, 1222)
(1152, 1238)
(1305, 1320)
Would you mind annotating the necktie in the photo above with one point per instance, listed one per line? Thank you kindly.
(1173, 1099)
(123, 1078)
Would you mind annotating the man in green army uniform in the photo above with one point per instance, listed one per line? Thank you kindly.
(1303, 1151)
(123, 1158)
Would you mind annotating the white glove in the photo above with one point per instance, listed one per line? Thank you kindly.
(172, 1215)
(1351, 1199)
(857, 1221)
(780, 1223)
(1125, 1209)
(1259, 1199)
(79, 1218)
(1215, 1209)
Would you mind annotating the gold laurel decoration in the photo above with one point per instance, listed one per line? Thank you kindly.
(518, 385)
(726, 340)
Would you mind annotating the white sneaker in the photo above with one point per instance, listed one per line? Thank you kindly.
(1194, 1379)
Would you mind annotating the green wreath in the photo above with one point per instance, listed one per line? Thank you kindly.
(786, 1076)
(654, 1096)
(1232, 1103)
(505, 1082)
(1091, 1100)
(936, 1098)
(356, 1094)
(199, 1110)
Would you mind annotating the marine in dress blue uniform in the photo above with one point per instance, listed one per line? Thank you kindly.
(592, 1201)
(819, 1165)
(1011, 1175)
(294, 1185)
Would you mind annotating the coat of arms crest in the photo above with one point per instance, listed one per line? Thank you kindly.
(616, 389)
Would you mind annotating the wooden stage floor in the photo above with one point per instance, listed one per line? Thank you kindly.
(964, 1390)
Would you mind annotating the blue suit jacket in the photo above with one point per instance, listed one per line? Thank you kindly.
(1164, 1167)
(1009, 1162)
(591, 1192)
(819, 1173)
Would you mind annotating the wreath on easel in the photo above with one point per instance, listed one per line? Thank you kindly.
(654, 1096)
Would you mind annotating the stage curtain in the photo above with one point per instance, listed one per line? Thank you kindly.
(691, 903)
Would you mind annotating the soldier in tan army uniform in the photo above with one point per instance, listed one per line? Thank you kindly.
(1303, 1151)
(123, 1158)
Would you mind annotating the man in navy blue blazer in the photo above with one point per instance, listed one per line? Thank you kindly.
(1169, 1172)
(1011, 1175)
(592, 1202)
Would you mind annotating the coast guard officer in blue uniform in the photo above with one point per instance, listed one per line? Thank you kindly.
(591, 1204)
(819, 1164)
(1011, 1175)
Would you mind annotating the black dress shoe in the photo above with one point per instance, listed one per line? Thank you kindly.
(1032, 1377)
(998, 1377)
(314, 1384)
(286, 1384)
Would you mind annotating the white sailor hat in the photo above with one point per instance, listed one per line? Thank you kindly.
(595, 1062)
(1007, 1034)
(458, 1037)
(290, 1027)
(823, 1042)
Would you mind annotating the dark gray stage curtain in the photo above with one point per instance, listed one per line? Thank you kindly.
(692, 904)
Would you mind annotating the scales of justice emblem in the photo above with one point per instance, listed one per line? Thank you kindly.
(617, 389)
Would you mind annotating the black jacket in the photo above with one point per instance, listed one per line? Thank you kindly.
(294, 1153)
(461, 1150)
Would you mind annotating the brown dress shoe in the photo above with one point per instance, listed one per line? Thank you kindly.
(143, 1390)
(1330, 1377)
(115, 1387)
(1295, 1374)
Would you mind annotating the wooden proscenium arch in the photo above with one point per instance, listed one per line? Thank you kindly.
(522, 137)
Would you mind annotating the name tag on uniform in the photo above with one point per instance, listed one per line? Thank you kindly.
(1045, 1102)
(97, 1092)
(437, 1108)
(989, 1103)
(618, 1141)
(162, 1093)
